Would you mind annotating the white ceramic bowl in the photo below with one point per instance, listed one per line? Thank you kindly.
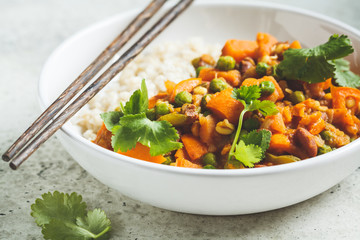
(201, 191)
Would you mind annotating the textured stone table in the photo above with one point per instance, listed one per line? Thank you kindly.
(29, 31)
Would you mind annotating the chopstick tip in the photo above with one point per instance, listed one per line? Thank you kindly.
(5, 157)
(13, 166)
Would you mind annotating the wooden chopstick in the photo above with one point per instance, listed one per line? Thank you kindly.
(83, 78)
(100, 82)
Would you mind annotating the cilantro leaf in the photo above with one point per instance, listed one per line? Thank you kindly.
(63, 216)
(312, 65)
(138, 102)
(248, 96)
(160, 136)
(266, 107)
(131, 126)
(58, 205)
(95, 222)
(247, 93)
(248, 155)
(343, 76)
(111, 119)
(259, 138)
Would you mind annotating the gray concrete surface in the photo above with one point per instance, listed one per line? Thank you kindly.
(29, 31)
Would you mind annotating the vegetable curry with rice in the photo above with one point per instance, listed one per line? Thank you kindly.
(262, 103)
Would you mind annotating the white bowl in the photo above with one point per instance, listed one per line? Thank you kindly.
(202, 191)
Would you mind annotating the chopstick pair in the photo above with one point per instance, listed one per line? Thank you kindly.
(20, 150)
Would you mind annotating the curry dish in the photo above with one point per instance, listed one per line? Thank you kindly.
(260, 104)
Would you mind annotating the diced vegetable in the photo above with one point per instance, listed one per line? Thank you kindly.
(232, 77)
(143, 152)
(346, 98)
(265, 42)
(103, 138)
(225, 107)
(186, 85)
(207, 129)
(181, 162)
(194, 147)
(240, 49)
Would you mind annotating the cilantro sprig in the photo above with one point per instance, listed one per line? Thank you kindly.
(250, 148)
(63, 216)
(130, 125)
(317, 64)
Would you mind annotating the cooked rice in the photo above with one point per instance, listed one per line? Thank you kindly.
(167, 61)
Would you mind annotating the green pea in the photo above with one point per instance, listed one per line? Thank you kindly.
(297, 97)
(225, 63)
(209, 167)
(183, 97)
(195, 62)
(168, 160)
(204, 100)
(217, 85)
(326, 135)
(251, 124)
(209, 159)
(162, 108)
(267, 87)
(324, 149)
(198, 69)
(261, 69)
(150, 114)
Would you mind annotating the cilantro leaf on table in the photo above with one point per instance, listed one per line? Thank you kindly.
(132, 125)
(53, 206)
(343, 76)
(313, 65)
(160, 136)
(240, 150)
(63, 216)
(248, 155)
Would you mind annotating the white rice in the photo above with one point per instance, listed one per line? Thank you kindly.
(167, 61)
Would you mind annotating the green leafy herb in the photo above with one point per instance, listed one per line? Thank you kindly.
(343, 76)
(63, 216)
(314, 65)
(160, 136)
(248, 154)
(132, 125)
(111, 119)
(138, 102)
(252, 142)
(259, 138)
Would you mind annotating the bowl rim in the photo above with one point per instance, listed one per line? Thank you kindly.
(115, 158)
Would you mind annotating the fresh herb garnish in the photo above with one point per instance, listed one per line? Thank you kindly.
(131, 126)
(259, 138)
(343, 76)
(314, 65)
(63, 216)
(250, 149)
(248, 155)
